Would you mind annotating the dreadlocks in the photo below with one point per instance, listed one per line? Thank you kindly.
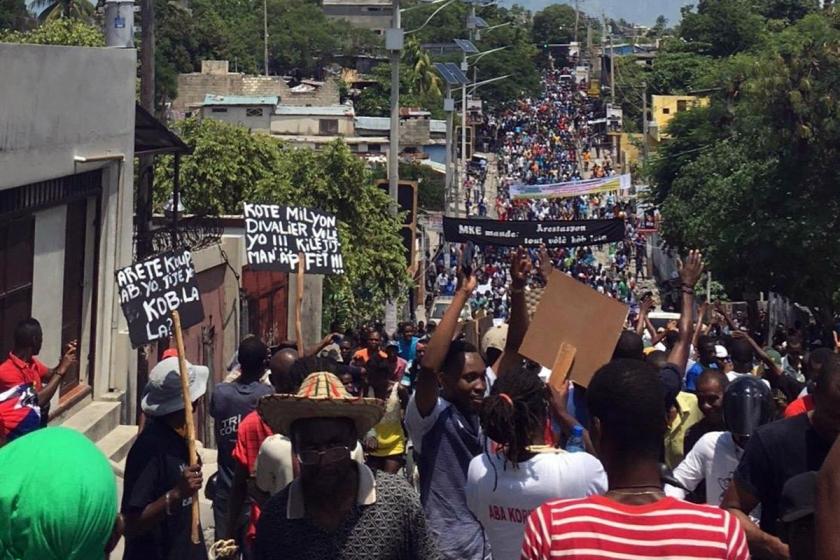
(515, 410)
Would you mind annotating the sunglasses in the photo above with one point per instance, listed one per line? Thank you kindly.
(325, 457)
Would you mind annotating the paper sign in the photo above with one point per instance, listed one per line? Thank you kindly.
(151, 289)
(572, 312)
(275, 235)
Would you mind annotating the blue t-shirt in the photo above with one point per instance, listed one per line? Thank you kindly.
(693, 373)
(445, 442)
(408, 349)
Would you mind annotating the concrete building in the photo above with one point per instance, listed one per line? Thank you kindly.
(663, 109)
(216, 78)
(368, 14)
(67, 134)
(330, 120)
(254, 113)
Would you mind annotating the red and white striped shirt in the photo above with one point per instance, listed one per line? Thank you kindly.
(597, 528)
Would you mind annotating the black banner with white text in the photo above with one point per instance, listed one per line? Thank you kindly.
(566, 233)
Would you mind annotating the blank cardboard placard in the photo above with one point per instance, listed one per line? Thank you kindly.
(572, 312)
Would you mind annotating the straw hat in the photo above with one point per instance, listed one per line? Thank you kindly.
(321, 395)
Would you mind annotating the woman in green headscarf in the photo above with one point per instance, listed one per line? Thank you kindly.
(58, 498)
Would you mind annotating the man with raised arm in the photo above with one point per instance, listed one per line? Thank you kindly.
(442, 418)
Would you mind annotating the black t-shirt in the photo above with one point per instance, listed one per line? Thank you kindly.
(776, 452)
(231, 402)
(153, 467)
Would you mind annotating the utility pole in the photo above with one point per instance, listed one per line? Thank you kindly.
(463, 175)
(612, 71)
(577, 21)
(394, 43)
(644, 122)
(143, 212)
(447, 189)
(147, 55)
(265, 35)
(612, 101)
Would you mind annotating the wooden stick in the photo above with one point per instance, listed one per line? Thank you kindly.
(188, 415)
(562, 365)
(299, 305)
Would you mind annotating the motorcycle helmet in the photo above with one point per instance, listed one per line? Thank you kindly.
(747, 404)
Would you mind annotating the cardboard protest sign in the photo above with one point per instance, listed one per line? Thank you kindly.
(151, 289)
(276, 235)
(572, 312)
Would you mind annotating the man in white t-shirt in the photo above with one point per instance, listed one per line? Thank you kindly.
(747, 404)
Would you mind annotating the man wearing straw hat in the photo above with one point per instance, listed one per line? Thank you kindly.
(160, 484)
(336, 508)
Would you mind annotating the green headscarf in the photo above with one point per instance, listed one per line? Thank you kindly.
(58, 497)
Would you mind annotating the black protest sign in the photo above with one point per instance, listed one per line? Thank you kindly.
(566, 233)
(275, 235)
(151, 289)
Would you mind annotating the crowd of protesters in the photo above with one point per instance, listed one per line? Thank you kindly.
(708, 438)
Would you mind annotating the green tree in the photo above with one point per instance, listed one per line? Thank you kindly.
(230, 166)
(56, 9)
(58, 32)
(788, 11)
(756, 186)
(722, 27)
(423, 77)
(14, 15)
(556, 24)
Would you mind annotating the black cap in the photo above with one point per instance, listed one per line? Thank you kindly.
(798, 497)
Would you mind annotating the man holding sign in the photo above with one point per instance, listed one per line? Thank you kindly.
(160, 483)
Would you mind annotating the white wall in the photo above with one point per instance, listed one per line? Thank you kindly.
(309, 125)
(47, 279)
(61, 102)
(58, 104)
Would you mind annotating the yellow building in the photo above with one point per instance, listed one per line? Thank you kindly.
(664, 107)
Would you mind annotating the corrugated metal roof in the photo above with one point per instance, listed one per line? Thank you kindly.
(322, 111)
(384, 123)
(211, 99)
(373, 123)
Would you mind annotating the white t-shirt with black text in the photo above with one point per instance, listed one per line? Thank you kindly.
(502, 497)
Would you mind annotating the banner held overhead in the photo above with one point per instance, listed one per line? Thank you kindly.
(566, 233)
(571, 188)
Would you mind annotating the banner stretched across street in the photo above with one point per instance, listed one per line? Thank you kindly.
(566, 233)
(571, 188)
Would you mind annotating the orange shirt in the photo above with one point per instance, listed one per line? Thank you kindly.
(14, 372)
(364, 355)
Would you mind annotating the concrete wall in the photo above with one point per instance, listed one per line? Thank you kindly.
(58, 104)
(664, 107)
(194, 86)
(239, 115)
(61, 102)
(309, 125)
(372, 20)
(414, 132)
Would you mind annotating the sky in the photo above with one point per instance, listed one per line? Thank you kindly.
(643, 12)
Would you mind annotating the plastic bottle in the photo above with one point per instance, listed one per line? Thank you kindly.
(575, 441)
